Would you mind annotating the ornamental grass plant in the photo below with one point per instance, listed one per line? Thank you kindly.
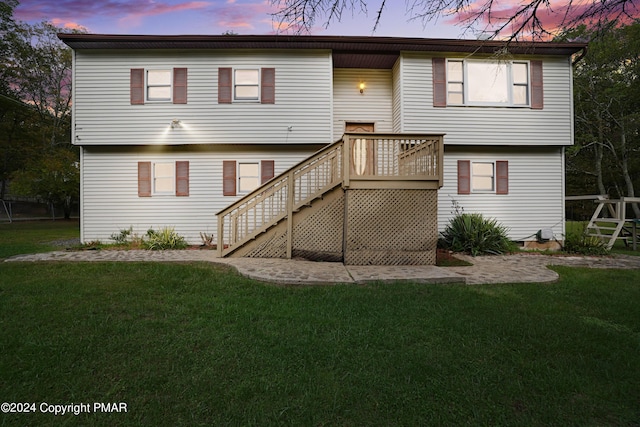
(474, 234)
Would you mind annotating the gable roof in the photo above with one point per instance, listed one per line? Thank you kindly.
(348, 51)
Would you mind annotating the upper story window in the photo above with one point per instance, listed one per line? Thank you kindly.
(242, 85)
(246, 85)
(158, 85)
(485, 82)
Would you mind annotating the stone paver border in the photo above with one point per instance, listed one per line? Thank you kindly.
(515, 268)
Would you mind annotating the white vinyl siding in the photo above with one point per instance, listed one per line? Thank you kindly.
(372, 106)
(465, 125)
(104, 114)
(109, 187)
(536, 189)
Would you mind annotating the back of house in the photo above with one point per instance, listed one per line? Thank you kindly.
(173, 129)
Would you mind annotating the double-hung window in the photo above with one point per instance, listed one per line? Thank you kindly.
(488, 83)
(246, 85)
(163, 178)
(483, 177)
(158, 85)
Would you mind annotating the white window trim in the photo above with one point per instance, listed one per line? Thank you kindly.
(238, 176)
(492, 176)
(510, 83)
(256, 100)
(146, 86)
(171, 192)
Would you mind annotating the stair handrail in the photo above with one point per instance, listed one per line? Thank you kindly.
(265, 206)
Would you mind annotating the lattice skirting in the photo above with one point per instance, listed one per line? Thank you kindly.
(383, 227)
(391, 227)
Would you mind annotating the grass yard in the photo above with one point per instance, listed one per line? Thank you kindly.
(197, 344)
(28, 237)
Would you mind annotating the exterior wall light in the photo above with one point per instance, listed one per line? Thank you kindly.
(175, 123)
(362, 86)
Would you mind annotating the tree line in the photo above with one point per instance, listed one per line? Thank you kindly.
(37, 158)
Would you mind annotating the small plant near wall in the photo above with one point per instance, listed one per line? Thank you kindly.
(207, 239)
(165, 238)
(476, 235)
(122, 236)
(577, 242)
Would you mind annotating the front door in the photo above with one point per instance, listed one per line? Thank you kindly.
(362, 150)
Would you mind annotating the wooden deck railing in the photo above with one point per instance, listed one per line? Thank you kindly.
(355, 158)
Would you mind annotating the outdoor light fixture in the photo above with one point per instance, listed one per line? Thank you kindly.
(175, 123)
(362, 86)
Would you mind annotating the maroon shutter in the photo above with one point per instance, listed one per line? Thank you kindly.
(267, 170)
(439, 66)
(268, 86)
(137, 86)
(229, 178)
(182, 178)
(502, 177)
(537, 91)
(225, 85)
(179, 85)
(464, 177)
(144, 179)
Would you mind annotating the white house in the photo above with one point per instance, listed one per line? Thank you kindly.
(174, 129)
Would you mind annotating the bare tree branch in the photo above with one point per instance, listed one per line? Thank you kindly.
(532, 19)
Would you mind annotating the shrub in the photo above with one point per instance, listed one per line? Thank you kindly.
(123, 236)
(476, 235)
(577, 242)
(165, 238)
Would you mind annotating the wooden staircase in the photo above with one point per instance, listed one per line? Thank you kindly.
(358, 161)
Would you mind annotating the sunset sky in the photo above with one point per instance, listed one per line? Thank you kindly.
(213, 17)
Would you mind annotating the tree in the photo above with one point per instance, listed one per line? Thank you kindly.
(36, 154)
(607, 112)
(534, 19)
(38, 70)
(55, 179)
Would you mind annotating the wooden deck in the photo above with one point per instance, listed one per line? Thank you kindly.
(363, 161)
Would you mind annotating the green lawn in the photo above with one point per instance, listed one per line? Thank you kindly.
(196, 344)
(25, 237)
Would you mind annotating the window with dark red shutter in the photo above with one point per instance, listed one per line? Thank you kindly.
(464, 177)
(268, 86)
(537, 90)
(502, 177)
(229, 178)
(267, 170)
(225, 85)
(182, 178)
(179, 85)
(144, 179)
(136, 86)
(439, 69)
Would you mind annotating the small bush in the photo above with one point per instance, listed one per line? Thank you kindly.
(123, 236)
(577, 242)
(476, 235)
(165, 238)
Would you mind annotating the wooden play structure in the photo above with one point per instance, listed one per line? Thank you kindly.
(609, 221)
